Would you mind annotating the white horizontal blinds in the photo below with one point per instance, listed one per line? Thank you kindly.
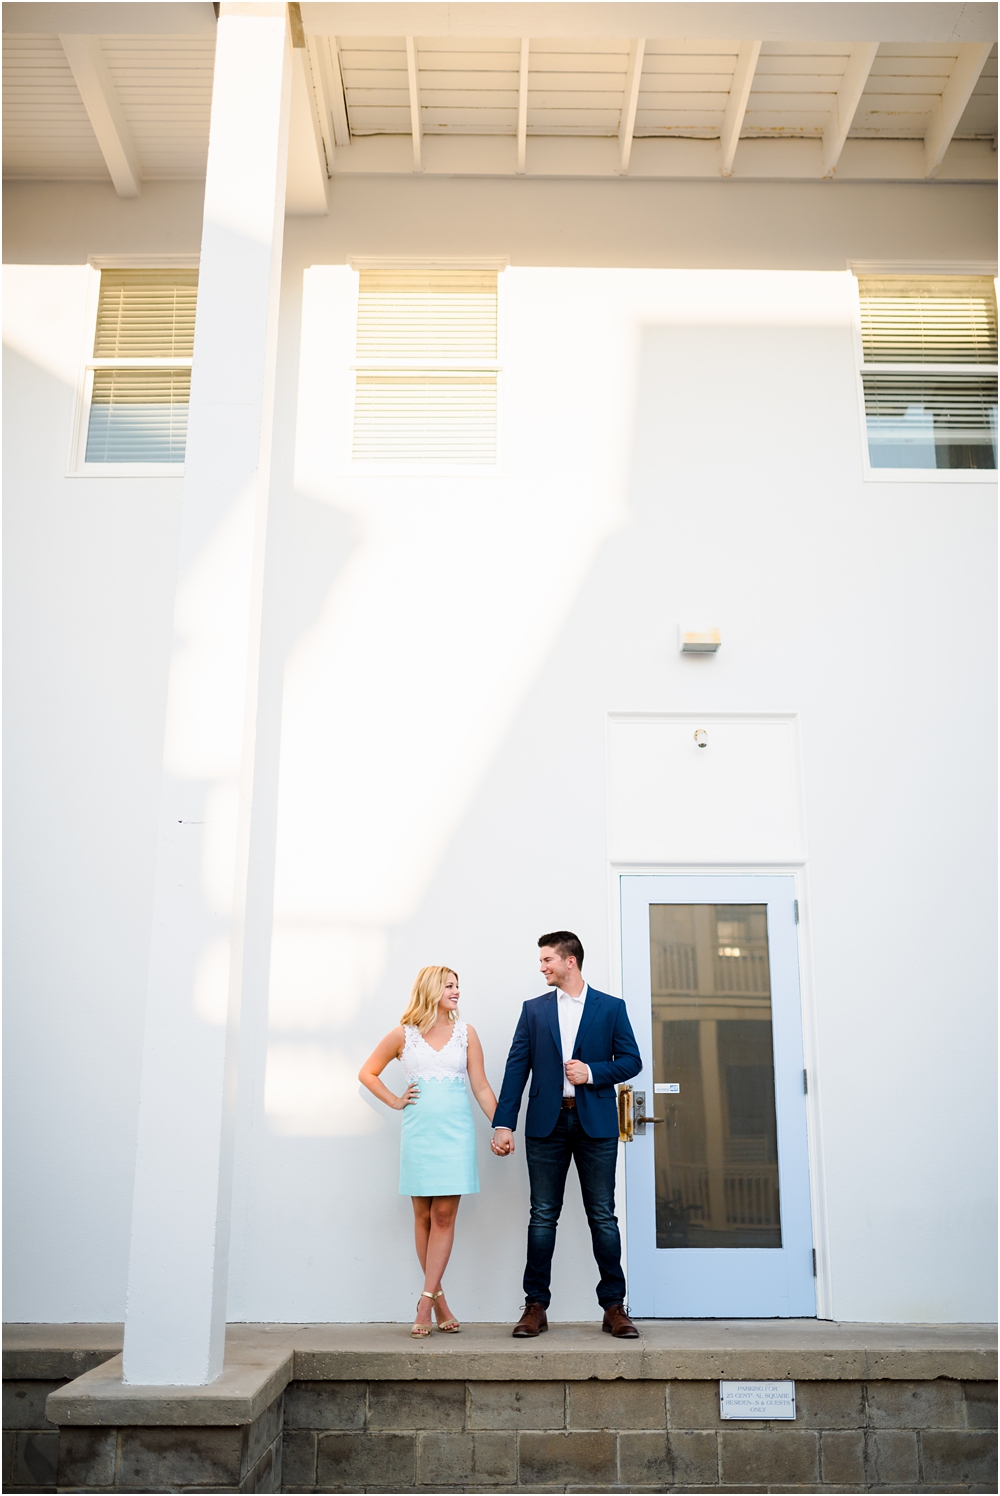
(146, 314)
(929, 373)
(426, 383)
(139, 407)
(430, 418)
(951, 320)
(138, 415)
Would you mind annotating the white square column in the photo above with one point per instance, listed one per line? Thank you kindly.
(178, 1263)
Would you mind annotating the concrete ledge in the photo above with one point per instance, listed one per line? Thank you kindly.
(262, 1359)
(684, 1350)
(47, 1353)
(258, 1367)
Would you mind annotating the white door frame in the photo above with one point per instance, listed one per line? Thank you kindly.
(810, 1047)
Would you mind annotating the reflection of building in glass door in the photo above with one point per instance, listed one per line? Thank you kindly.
(716, 1160)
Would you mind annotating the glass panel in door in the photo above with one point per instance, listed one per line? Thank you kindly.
(718, 1213)
(717, 1155)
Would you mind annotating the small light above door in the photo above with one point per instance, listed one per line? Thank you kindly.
(699, 641)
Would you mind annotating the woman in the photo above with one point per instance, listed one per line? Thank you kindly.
(437, 1156)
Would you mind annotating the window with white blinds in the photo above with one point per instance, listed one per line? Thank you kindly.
(426, 370)
(139, 378)
(929, 373)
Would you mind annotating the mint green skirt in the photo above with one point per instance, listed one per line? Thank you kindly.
(437, 1150)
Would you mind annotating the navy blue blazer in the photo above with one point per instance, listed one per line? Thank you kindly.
(604, 1041)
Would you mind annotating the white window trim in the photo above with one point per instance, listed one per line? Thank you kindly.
(860, 268)
(359, 467)
(77, 464)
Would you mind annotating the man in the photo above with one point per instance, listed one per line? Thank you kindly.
(576, 1043)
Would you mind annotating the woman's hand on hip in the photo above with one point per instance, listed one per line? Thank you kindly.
(408, 1098)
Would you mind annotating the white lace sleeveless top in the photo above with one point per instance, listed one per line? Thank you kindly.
(422, 1063)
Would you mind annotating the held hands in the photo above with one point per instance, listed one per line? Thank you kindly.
(408, 1098)
(502, 1142)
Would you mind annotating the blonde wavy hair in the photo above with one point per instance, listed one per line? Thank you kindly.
(422, 1009)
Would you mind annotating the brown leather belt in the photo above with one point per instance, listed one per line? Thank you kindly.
(569, 1101)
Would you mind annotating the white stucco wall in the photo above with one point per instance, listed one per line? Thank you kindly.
(681, 441)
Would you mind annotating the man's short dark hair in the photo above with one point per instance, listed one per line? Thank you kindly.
(565, 942)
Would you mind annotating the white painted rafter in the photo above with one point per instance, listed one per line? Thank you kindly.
(736, 107)
(951, 106)
(305, 193)
(630, 102)
(852, 86)
(522, 109)
(324, 55)
(414, 83)
(104, 110)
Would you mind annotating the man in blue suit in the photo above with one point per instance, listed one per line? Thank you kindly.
(576, 1044)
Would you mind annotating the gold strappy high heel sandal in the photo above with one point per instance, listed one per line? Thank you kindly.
(419, 1331)
(449, 1326)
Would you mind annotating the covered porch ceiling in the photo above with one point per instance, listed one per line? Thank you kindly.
(899, 92)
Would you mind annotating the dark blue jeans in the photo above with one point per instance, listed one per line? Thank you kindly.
(548, 1165)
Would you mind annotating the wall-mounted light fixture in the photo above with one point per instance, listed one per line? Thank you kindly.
(699, 641)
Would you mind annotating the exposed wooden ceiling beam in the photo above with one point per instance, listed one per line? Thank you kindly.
(522, 109)
(630, 103)
(336, 96)
(97, 90)
(852, 86)
(736, 108)
(411, 73)
(658, 159)
(951, 106)
(305, 188)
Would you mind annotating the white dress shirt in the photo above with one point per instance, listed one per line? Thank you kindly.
(570, 1013)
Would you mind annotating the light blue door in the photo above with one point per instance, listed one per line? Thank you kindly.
(717, 1191)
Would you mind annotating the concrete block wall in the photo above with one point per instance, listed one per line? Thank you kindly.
(635, 1436)
(30, 1441)
(39, 1457)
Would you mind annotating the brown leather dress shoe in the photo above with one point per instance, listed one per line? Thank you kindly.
(532, 1322)
(617, 1322)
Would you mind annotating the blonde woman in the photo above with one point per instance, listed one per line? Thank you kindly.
(437, 1156)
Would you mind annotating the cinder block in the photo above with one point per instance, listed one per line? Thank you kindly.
(786, 1456)
(499, 1405)
(891, 1457)
(164, 1459)
(24, 1404)
(36, 1457)
(937, 1404)
(265, 1475)
(695, 1457)
(87, 1456)
(619, 1404)
(354, 1461)
(579, 1459)
(466, 1459)
(298, 1458)
(645, 1460)
(966, 1457)
(842, 1457)
(437, 1406)
(262, 1434)
(830, 1404)
(325, 1405)
(980, 1404)
(693, 1405)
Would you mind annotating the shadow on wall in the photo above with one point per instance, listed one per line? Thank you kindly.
(442, 775)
